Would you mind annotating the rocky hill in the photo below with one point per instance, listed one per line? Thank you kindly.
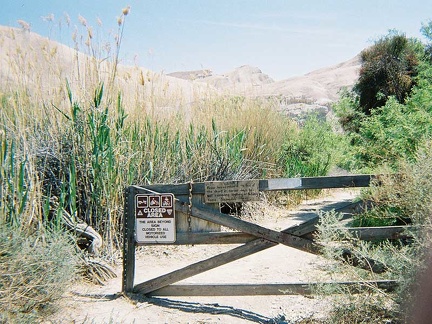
(320, 86)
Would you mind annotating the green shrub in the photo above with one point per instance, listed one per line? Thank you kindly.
(310, 150)
(391, 134)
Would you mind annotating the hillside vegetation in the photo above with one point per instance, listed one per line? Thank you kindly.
(387, 119)
(71, 144)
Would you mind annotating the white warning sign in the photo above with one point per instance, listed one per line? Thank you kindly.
(155, 218)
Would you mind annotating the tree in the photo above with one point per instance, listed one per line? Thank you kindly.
(388, 70)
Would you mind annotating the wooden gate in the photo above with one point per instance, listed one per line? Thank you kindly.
(161, 214)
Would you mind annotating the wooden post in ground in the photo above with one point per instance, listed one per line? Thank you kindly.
(129, 241)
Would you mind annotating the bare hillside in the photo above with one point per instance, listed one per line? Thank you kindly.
(241, 80)
(321, 86)
(41, 66)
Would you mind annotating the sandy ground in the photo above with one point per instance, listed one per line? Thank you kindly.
(87, 303)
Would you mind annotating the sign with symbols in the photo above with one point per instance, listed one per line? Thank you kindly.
(155, 218)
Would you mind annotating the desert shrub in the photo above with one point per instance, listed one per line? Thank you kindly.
(405, 196)
(35, 271)
(354, 310)
(372, 304)
(348, 112)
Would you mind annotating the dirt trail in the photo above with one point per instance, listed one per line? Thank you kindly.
(279, 264)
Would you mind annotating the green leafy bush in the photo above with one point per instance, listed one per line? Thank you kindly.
(310, 150)
(391, 134)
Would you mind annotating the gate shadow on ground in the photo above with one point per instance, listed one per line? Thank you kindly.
(213, 309)
(189, 307)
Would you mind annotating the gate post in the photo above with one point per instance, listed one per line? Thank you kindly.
(128, 241)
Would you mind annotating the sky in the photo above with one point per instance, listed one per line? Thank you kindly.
(283, 38)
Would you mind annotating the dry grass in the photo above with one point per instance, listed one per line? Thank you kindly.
(35, 270)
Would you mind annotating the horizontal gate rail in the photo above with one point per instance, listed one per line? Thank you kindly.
(380, 232)
(281, 184)
(362, 233)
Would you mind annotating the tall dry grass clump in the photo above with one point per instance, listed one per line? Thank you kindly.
(35, 271)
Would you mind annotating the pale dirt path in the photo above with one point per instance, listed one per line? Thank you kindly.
(280, 264)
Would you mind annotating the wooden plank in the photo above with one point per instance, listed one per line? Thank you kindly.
(303, 229)
(379, 233)
(305, 289)
(250, 228)
(281, 184)
(337, 182)
(362, 180)
(181, 189)
(316, 183)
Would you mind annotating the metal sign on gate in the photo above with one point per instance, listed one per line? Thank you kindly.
(155, 218)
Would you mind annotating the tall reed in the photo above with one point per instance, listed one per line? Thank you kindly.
(107, 126)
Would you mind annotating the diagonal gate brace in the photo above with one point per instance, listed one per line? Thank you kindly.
(266, 238)
(283, 237)
(237, 253)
